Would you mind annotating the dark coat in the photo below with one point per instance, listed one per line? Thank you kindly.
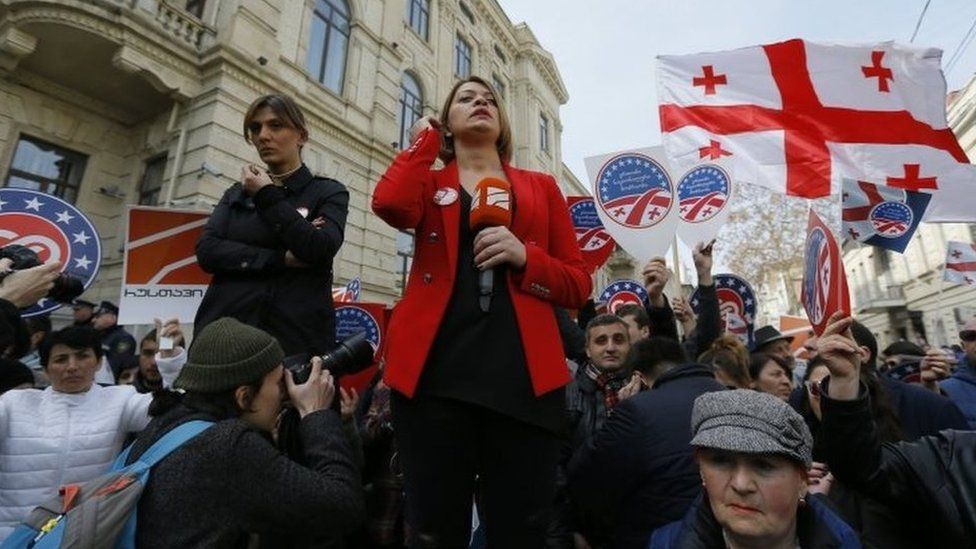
(931, 480)
(244, 243)
(878, 525)
(920, 411)
(119, 348)
(230, 482)
(961, 389)
(638, 471)
(817, 526)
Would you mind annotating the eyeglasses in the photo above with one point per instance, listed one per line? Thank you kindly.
(813, 387)
(968, 336)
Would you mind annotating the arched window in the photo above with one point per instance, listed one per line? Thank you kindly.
(328, 42)
(418, 14)
(411, 106)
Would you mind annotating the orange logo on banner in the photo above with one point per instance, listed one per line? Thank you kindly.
(162, 247)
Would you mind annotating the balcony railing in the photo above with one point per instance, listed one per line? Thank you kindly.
(182, 25)
(874, 299)
(171, 19)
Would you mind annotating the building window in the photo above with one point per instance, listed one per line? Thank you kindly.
(152, 181)
(44, 167)
(418, 13)
(466, 11)
(195, 7)
(411, 106)
(462, 57)
(499, 85)
(543, 133)
(500, 54)
(328, 43)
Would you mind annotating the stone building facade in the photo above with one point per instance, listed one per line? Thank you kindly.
(115, 102)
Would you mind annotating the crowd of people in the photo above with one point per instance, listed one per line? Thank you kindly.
(507, 412)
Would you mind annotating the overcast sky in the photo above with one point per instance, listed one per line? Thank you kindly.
(606, 49)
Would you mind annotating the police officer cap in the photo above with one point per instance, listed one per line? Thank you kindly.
(107, 307)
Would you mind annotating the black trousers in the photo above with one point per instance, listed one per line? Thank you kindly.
(450, 450)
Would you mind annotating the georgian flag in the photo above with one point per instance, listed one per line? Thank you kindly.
(960, 265)
(798, 116)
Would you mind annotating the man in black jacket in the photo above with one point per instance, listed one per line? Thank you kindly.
(932, 479)
(638, 472)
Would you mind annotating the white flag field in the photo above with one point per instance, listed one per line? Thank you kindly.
(960, 265)
(797, 117)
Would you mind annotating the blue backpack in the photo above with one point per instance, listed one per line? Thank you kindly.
(101, 512)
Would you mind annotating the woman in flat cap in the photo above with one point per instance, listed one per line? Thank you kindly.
(754, 452)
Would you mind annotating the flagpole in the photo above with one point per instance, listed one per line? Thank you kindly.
(677, 261)
(677, 277)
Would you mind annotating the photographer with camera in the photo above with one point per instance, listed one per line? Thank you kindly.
(230, 482)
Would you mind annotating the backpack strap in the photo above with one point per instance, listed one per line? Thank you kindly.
(171, 441)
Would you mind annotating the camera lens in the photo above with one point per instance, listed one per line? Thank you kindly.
(351, 356)
(66, 289)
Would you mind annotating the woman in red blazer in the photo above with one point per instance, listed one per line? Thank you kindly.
(477, 394)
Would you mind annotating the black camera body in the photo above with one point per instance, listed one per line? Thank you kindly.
(352, 356)
(66, 287)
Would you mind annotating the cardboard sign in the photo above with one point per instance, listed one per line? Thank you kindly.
(635, 197)
(595, 243)
(352, 318)
(161, 277)
(54, 230)
(824, 290)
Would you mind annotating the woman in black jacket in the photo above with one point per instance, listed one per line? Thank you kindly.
(271, 240)
(229, 482)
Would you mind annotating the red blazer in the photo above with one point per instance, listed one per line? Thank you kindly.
(554, 272)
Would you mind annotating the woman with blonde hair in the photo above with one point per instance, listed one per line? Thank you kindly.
(478, 383)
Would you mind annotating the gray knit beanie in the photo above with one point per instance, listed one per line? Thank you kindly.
(228, 354)
(750, 422)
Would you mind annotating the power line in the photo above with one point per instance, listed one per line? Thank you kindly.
(963, 44)
(918, 24)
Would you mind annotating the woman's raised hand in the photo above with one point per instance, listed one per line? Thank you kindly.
(254, 178)
(422, 124)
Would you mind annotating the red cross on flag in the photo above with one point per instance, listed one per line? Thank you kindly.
(799, 116)
(960, 265)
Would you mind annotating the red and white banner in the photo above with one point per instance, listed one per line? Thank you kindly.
(798, 116)
(824, 290)
(960, 264)
(352, 318)
(595, 243)
(161, 277)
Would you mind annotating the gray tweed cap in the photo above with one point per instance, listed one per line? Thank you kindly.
(750, 422)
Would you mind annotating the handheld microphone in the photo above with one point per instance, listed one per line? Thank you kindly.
(491, 206)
